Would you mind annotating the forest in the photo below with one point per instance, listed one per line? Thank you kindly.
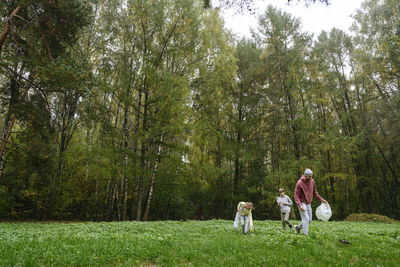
(114, 110)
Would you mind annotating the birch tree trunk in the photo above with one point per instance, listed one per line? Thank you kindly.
(135, 149)
(124, 186)
(142, 159)
(153, 177)
(89, 138)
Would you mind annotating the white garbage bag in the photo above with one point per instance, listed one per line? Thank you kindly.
(236, 222)
(323, 212)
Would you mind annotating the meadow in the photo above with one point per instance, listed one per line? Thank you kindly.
(197, 243)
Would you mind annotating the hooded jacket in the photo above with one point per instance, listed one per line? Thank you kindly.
(305, 190)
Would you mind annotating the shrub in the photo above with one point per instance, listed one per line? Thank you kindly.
(369, 217)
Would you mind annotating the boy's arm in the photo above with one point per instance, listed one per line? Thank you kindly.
(289, 203)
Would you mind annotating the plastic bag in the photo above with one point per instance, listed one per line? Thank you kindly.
(323, 212)
(236, 222)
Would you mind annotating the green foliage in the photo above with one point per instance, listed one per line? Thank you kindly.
(150, 107)
(366, 217)
(35, 150)
(248, 5)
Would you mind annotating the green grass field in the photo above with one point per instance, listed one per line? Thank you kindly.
(197, 243)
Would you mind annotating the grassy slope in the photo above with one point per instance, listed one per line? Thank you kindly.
(197, 243)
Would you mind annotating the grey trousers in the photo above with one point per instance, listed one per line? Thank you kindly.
(306, 217)
(285, 219)
(244, 221)
(245, 226)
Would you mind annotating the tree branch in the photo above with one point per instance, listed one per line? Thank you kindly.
(8, 27)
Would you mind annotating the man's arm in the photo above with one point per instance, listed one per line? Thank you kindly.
(297, 192)
(316, 195)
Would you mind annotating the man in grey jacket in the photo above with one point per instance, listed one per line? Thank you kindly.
(284, 202)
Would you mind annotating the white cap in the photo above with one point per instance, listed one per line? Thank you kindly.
(307, 172)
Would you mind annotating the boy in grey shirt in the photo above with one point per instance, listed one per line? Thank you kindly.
(284, 202)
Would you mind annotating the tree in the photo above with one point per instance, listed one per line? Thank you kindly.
(48, 35)
(377, 85)
(248, 5)
(40, 38)
(149, 110)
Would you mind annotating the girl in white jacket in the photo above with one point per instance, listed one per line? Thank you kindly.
(243, 214)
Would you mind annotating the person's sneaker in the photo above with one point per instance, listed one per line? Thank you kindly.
(290, 226)
(296, 229)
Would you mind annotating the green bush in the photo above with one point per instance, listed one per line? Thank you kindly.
(369, 217)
